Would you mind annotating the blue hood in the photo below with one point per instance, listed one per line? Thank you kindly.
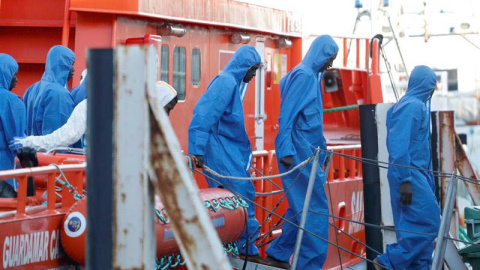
(8, 67)
(59, 61)
(243, 59)
(422, 82)
(322, 48)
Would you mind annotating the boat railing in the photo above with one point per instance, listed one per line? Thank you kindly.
(343, 167)
(75, 174)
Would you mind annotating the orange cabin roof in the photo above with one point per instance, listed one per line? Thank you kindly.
(228, 13)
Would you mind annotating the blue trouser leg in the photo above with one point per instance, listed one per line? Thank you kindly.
(413, 251)
(13, 183)
(313, 251)
(247, 191)
(282, 247)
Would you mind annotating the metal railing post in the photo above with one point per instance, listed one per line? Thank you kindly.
(308, 196)
(438, 258)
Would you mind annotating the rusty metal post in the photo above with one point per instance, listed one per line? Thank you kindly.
(193, 229)
(443, 150)
(133, 231)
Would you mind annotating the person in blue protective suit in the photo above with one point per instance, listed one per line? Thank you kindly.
(300, 133)
(12, 119)
(218, 139)
(79, 93)
(48, 101)
(412, 191)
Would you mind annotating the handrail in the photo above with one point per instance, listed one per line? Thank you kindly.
(7, 174)
(28, 210)
(344, 147)
(340, 109)
(260, 153)
(337, 147)
(50, 171)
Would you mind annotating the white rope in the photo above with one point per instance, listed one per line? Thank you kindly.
(214, 173)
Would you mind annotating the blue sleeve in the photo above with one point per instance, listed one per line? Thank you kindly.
(58, 108)
(404, 122)
(208, 111)
(79, 94)
(25, 97)
(14, 118)
(299, 93)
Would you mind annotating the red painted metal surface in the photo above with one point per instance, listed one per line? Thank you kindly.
(30, 234)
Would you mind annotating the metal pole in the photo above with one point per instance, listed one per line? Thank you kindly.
(438, 258)
(99, 155)
(398, 46)
(133, 230)
(308, 196)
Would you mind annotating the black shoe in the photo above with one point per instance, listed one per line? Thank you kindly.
(276, 263)
(253, 258)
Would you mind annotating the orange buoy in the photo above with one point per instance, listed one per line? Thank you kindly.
(225, 209)
(74, 234)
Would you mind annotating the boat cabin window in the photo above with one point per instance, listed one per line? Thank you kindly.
(196, 67)
(179, 71)
(268, 80)
(164, 64)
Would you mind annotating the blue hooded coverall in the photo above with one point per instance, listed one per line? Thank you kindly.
(12, 113)
(217, 132)
(79, 93)
(301, 132)
(48, 101)
(408, 143)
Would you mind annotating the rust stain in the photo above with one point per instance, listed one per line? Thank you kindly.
(123, 196)
(168, 180)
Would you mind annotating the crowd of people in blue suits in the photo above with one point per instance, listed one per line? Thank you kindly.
(217, 138)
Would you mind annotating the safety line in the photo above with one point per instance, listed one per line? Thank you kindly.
(214, 173)
(269, 180)
(376, 162)
(393, 229)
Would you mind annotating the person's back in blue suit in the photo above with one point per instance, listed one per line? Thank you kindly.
(12, 114)
(48, 102)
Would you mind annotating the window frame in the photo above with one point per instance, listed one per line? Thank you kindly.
(176, 51)
(167, 62)
(199, 67)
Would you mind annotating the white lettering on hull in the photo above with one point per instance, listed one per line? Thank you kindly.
(24, 249)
